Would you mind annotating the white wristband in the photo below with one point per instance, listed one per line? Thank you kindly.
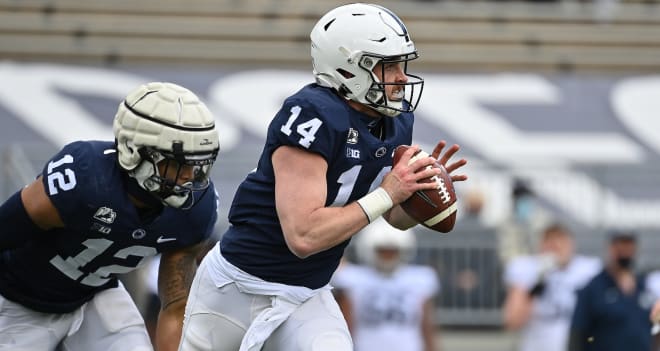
(375, 203)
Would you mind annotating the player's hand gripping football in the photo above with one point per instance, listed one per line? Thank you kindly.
(435, 208)
(444, 159)
(403, 180)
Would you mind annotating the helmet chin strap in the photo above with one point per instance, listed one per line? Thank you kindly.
(177, 201)
(142, 175)
(140, 194)
(380, 103)
(389, 112)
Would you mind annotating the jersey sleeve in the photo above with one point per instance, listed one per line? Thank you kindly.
(588, 268)
(427, 281)
(298, 124)
(653, 283)
(66, 178)
(521, 272)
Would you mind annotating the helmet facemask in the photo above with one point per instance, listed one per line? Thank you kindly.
(410, 90)
(174, 177)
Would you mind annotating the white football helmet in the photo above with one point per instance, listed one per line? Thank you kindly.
(349, 41)
(381, 235)
(164, 122)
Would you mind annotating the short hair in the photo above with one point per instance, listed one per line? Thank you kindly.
(556, 228)
(622, 235)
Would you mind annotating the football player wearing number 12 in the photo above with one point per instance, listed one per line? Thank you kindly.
(325, 173)
(100, 209)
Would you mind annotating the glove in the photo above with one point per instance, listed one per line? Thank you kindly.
(547, 262)
(538, 288)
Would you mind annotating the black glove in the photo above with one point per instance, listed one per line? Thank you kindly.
(537, 289)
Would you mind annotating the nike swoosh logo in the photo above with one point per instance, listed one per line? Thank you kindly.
(161, 239)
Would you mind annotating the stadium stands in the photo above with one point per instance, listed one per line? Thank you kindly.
(451, 35)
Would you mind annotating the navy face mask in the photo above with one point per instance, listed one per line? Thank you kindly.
(625, 262)
(524, 208)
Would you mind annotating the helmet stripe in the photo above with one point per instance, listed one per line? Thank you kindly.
(395, 17)
(147, 117)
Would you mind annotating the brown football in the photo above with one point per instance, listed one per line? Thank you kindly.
(434, 208)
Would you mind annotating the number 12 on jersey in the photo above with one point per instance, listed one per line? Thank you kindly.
(60, 180)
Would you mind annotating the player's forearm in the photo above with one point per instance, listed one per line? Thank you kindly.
(168, 330)
(429, 344)
(324, 228)
(175, 275)
(329, 226)
(429, 332)
(517, 308)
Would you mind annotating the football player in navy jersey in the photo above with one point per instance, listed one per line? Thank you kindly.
(100, 209)
(325, 172)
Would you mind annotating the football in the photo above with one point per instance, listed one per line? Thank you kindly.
(433, 208)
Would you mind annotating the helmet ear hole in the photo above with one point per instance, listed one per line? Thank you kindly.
(127, 156)
(373, 96)
(344, 73)
(368, 62)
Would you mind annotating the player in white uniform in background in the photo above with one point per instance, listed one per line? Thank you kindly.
(653, 288)
(387, 302)
(542, 291)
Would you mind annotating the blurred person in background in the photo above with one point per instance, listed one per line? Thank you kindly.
(653, 287)
(613, 309)
(519, 234)
(103, 208)
(471, 214)
(386, 300)
(542, 289)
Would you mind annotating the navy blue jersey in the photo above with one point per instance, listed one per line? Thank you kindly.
(319, 121)
(103, 234)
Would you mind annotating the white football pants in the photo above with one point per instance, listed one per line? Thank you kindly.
(109, 322)
(216, 320)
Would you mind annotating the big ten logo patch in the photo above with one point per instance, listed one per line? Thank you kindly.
(352, 153)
